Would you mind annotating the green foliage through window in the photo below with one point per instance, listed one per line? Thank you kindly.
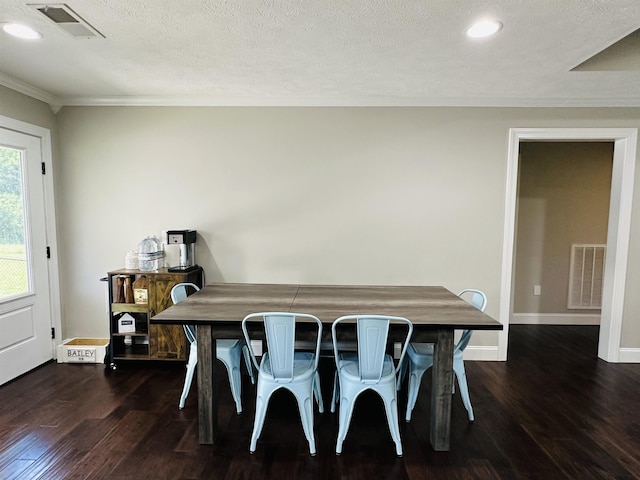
(11, 205)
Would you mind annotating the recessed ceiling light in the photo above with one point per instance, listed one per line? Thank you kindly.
(484, 28)
(21, 31)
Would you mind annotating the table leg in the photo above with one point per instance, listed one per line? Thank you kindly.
(442, 384)
(207, 403)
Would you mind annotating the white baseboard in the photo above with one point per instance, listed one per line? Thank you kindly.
(629, 355)
(555, 319)
(256, 346)
(478, 353)
(490, 354)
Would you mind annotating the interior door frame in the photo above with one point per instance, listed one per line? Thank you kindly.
(618, 232)
(44, 134)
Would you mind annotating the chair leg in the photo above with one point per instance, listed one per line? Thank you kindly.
(415, 377)
(261, 411)
(344, 414)
(458, 368)
(335, 394)
(231, 360)
(391, 408)
(191, 368)
(235, 380)
(402, 373)
(305, 405)
(247, 361)
(318, 392)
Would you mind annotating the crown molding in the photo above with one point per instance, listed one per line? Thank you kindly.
(30, 91)
(379, 101)
(56, 103)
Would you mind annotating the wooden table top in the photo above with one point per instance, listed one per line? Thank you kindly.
(431, 306)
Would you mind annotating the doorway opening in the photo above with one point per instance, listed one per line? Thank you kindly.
(618, 228)
(564, 191)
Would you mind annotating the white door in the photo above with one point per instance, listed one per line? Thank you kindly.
(25, 307)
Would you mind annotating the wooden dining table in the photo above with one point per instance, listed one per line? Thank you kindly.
(217, 311)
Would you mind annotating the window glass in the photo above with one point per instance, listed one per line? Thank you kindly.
(14, 278)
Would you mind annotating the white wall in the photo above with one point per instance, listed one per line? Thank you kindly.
(318, 195)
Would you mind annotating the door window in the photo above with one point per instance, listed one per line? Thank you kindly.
(14, 272)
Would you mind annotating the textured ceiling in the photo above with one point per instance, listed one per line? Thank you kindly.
(623, 55)
(337, 52)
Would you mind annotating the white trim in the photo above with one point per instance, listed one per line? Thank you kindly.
(52, 235)
(256, 346)
(629, 355)
(27, 89)
(619, 233)
(624, 158)
(44, 135)
(377, 101)
(58, 102)
(508, 241)
(555, 319)
(481, 354)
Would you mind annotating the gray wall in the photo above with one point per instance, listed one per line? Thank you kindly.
(318, 195)
(352, 195)
(563, 198)
(26, 109)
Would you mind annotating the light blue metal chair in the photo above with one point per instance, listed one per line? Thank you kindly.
(283, 367)
(420, 359)
(227, 351)
(370, 368)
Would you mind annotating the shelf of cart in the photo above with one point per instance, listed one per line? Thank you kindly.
(129, 307)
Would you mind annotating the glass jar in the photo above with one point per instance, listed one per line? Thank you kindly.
(131, 260)
(148, 254)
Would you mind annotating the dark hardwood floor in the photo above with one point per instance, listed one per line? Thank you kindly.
(553, 411)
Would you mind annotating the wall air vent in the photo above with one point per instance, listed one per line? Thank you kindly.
(586, 276)
(68, 20)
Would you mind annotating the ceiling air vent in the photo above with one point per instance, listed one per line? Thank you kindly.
(67, 20)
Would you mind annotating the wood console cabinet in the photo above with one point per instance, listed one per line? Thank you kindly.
(145, 342)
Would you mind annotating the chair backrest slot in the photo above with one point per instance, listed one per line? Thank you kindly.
(372, 343)
(280, 332)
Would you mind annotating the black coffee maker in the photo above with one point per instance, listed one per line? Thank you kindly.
(186, 239)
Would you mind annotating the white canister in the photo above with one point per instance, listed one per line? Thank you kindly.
(131, 260)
